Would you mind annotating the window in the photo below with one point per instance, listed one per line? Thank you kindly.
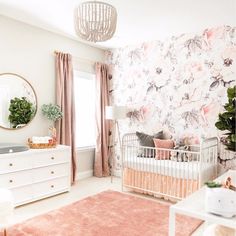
(84, 89)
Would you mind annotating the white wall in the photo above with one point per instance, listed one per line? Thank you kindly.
(29, 52)
(85, 163)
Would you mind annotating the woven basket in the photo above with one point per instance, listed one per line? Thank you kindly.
(41, 145)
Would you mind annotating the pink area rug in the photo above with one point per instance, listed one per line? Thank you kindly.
(108, 213)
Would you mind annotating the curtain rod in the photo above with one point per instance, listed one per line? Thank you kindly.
(79, 58)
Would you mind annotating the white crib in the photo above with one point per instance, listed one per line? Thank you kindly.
(164, 176)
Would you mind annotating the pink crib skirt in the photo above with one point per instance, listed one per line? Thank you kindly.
(158, 185)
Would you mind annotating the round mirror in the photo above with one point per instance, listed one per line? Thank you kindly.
(18, 102)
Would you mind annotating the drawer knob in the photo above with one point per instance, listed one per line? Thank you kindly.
(52, 172)
(52, 158)
(11, 181)
(52, 186)
(10, 164)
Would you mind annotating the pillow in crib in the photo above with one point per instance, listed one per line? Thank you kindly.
(178, 155)
(163, 154)
(146, 140)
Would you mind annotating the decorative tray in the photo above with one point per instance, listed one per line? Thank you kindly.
(41, 145)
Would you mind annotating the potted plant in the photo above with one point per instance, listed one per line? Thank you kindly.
(226, 122)
(21, 112)
(53, 113)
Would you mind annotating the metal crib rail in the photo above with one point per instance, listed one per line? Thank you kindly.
(155, 174)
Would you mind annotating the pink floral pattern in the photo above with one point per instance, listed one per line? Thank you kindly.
(178, 85)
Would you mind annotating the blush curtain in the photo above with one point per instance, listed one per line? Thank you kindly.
(101, 163)
(65, 99)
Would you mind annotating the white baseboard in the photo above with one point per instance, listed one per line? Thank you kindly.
(89, 173)
(84, 174)
(117, 173)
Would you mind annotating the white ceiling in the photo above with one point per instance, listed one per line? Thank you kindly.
(138, 20)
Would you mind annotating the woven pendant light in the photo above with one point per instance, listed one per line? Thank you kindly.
(95, 21)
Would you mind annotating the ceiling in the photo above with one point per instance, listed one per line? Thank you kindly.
(138, 20)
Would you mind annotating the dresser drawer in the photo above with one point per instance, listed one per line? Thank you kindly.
(22, 195)
(50, 158)
(51, 186)
(50, 172)
(36, 174)
(12, 164)
(17, 179)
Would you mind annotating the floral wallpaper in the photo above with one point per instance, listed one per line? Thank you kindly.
(178, 85)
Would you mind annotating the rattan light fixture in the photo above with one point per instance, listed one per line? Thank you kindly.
(95, 21)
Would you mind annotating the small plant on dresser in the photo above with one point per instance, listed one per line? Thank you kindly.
(53, 113)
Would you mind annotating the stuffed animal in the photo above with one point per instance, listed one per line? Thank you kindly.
(181, 156)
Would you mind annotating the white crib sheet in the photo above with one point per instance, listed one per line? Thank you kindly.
(184, 170)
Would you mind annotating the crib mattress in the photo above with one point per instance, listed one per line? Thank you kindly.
(184, 170)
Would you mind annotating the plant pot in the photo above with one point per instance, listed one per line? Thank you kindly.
(226, 154)
(227, 159)
(220, 201)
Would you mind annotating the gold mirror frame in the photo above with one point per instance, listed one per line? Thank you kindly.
(36, 100)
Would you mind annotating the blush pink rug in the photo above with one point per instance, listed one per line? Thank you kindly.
(108, 213)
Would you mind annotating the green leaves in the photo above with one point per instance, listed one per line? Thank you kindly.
(52, 112)
(231, 92)
(21, 111)
(212, 184)
(232, 137)
(227, 120)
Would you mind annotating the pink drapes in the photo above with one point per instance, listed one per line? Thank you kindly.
(101, 165)
(65, 99)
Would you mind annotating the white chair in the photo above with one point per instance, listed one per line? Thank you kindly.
(6, 208)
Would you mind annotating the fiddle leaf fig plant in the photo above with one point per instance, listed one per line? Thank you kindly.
(21, 111)
(227, 120)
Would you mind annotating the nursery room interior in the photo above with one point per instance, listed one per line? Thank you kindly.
(117, 118)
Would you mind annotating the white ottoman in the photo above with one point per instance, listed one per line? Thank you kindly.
(6, 207)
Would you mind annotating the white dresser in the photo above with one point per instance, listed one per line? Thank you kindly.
(36, 173)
